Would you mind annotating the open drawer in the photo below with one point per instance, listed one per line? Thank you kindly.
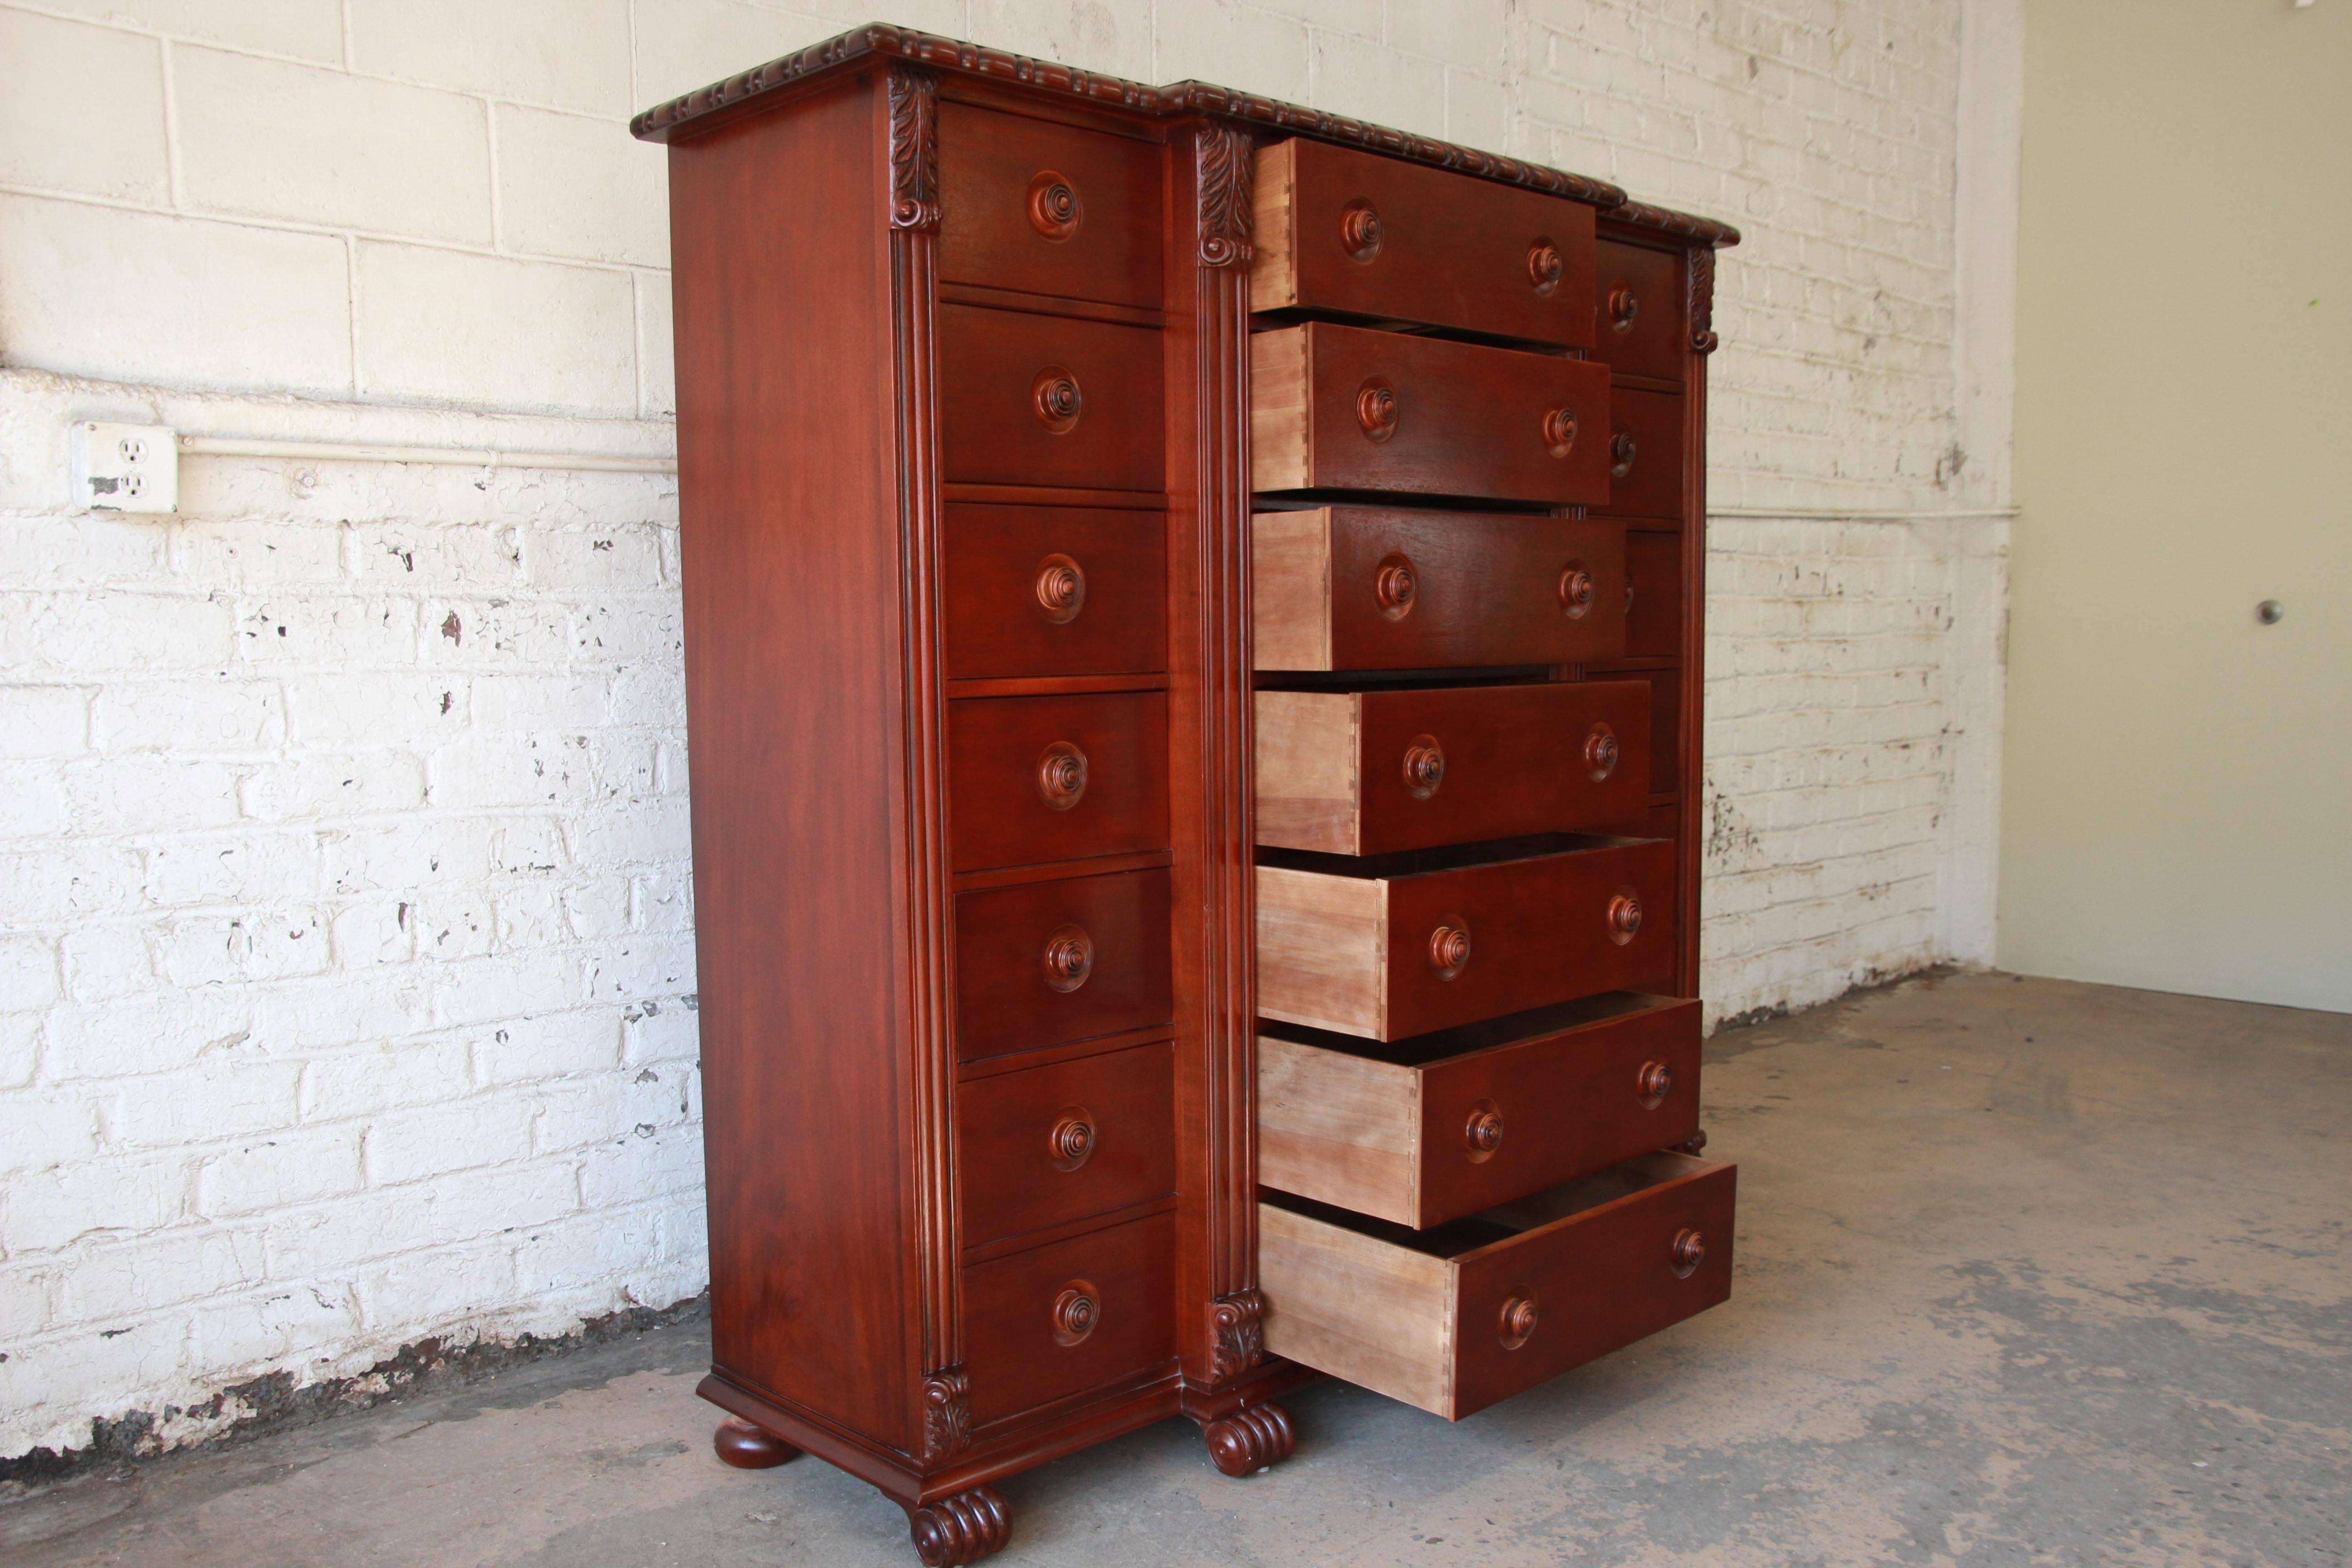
(1455, 1319)
(1430, 1129)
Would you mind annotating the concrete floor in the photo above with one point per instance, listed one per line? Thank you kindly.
(2028, 1272)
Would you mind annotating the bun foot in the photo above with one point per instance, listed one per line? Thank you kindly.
(1250, 1440)
(960, 1529)
(747, 1447)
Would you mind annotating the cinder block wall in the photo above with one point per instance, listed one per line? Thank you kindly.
(346, 990)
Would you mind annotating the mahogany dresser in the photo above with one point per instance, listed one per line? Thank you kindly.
(1193, 614)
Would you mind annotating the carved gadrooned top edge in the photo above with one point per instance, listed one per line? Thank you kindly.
(706, 108)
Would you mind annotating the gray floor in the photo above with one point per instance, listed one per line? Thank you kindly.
(2028, 1272)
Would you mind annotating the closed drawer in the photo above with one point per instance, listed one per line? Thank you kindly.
(1346, 408)
(1372, 588)
(1391, 945)
(1045, 962)
(1441, 1125)
(1051, 209)
(1062, 1318)
(1029, 399)
(1639, 327)
(1366, 235)
(1032, 779)
(1365, 772)
(1458, 1318)
(1047, 1145)
(1654, 594)
(1033, 591)
(1645, 453)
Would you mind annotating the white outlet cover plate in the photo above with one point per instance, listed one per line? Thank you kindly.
(125, 468)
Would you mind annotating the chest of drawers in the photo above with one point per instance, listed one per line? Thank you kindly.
(1192, 622)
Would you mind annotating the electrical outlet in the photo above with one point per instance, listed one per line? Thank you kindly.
(126, 468)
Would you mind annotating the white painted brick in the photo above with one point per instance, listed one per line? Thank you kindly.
(381, 708)
(29, 973)
(371, 156)
(129, 1195)
(186, 1263)
(106, 960)
(38, 722)
(312, 29)
(247, 946)
(331, 786)
(572, 186)
(216, 716)
(686, 43)
(527, 1050)
(262, 1174)
(445, 327)
(1357, 78)
(49, 1128)
(384, 1076)
(454, 1135)
(658, 1030)
(1111, 35)
(1477, 111)
(572, 54)
(204, 1105)
(1468, 33)
(83, 551)
(1238, 45)
(657, 350)
(81, 109)
(98, 290)
(249, 866)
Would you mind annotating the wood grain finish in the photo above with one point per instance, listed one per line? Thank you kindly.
(1005, 998)
(1366, 773)
(1006, 423)
(1554, 1095)
(1024, 1353)
(1468, 420)
(1645, 453)
(1351, 234)
(1486, 589)
(1033, 779)
(1429, 1317)
(1048, 208)
(1003, 617)
(1653, 597)
(1050, 1145)
(1638, 289)
(1345, 945)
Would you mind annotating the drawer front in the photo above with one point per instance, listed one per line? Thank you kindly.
(1369, 773)
(1638, 328)
(1363, 235)
(1047, 1145)
(1458, 1133)
(1019, 949)
(1346, 408)
(1051, 209)
(1362, 956)
(1475, 589)
(1654, 594)
(1033, 591)
(1022, 1315)
(1029, 399)
(1645, 453)
(1033, 779)
(1459, 1318)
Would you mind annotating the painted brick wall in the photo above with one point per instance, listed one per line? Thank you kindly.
(345, 985)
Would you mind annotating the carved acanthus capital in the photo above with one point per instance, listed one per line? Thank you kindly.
(1702, 299)
(1236, 1335)
(946, 1414)
(914, 149)
(1223, 171)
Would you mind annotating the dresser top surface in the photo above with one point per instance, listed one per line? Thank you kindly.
(765, 86)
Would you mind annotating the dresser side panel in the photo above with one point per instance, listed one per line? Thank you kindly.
(791, 549)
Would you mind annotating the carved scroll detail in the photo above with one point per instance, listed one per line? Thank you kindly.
(946, 1414)
(1702, 301)
(914, 149)
(1224, 170)
(1236, 1335)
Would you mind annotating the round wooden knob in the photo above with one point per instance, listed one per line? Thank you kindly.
(1069, 957)
(1517, 1322)
(1053, 206)
(1071, 1138)
(1688, 1252)
(1360, 230)
(1624, 918)
(1621, 452)
(1057, 400)
(1654, 1083)
(1601, 755)
(1075, 1311)
(1577, 591)
(1424, 766)
(1376, 409)
(1061, 588)
(1622, 308)
(1449, 948)
(1559, 432)
(1544, 265)
(1395, 586)
(1484, 1134)
(1061, 775)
